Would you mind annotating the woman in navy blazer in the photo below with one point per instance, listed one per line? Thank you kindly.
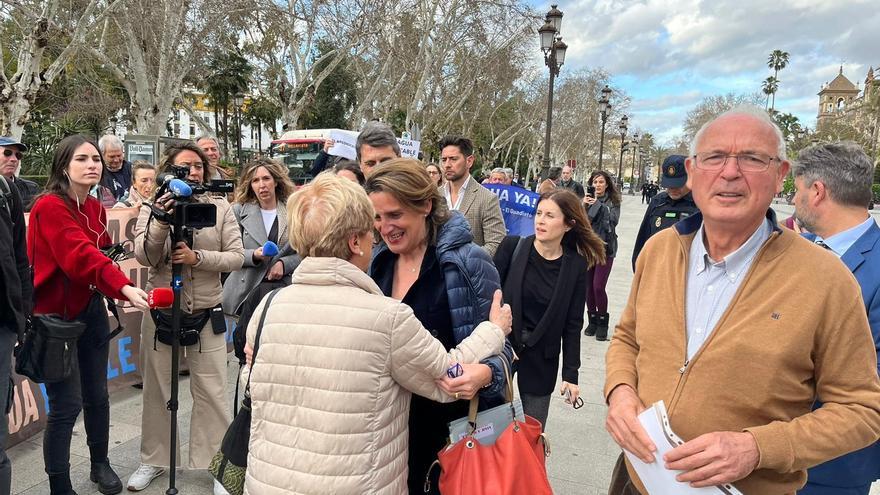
(543, 277)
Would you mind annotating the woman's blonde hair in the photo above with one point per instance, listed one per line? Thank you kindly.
(407, 180)
(323, 215)
(244, 193)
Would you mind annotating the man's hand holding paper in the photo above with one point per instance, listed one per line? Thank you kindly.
(714, 458)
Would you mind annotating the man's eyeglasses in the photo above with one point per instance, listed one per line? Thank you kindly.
(8, 153)
(747, 162)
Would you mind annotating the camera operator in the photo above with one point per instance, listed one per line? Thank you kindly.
(66, 230)
(211, 251)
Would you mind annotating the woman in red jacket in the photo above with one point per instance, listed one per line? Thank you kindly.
(66, 230)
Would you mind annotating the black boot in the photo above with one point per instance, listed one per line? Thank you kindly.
(59, 484)
(591, 328)
(601, 326)
(107, 480)
(102, 474)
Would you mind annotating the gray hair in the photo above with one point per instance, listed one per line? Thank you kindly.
(843, 167)
(208, 136)
(109, 142)
(749, 111)
(376, 134)
(508, 172)
(499, 170)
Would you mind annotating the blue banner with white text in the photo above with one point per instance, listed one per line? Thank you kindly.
(518, 208)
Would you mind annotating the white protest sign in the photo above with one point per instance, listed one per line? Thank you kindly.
(344, 143)
(409, 148)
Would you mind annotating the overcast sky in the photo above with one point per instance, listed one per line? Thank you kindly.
(669, 54)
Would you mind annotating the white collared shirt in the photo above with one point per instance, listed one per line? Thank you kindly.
(447, 188)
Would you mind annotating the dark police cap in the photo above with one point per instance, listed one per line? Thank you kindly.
(12, 142)
(673, 171)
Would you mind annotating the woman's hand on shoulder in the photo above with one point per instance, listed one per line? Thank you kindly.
(500, 314)
(136, 297)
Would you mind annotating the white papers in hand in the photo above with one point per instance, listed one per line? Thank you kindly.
(657, 479)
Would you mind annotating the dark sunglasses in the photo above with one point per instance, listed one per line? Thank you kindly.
(18, 154)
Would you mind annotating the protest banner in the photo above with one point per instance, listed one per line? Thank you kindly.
(517, 207)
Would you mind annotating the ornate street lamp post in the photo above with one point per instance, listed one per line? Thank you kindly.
(604, 109)
(632, 178)
(554, 56)
(622, 127)
(643, 155)
(238, 101)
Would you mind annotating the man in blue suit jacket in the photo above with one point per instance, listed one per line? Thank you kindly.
(833, 184)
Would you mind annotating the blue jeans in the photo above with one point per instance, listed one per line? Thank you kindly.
(84, 390)
(7, 344)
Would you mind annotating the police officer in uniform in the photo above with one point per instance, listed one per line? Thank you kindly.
(667, 207)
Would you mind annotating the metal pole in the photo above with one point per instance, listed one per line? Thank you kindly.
(633, 173)
(546, 165)
(239, 137)
(620, 164)
(602, 138)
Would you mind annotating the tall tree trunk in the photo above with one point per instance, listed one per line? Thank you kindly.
(226, 129)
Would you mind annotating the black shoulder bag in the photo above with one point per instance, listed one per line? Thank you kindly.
(230, 463)
(47, 351)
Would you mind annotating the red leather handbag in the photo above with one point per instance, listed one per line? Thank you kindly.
(513, 465)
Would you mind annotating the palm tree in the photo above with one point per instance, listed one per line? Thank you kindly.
(228, 73)
(769, 87)
(777, 61)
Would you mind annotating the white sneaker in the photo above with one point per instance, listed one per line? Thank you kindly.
(142, 478)
(218, 489)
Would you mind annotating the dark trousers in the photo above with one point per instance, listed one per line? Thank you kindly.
(597, 298)
(7, 344)
(84, 390)
(621, 484)
(536, 406)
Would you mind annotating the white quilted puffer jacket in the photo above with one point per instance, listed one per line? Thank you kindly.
(332, 379)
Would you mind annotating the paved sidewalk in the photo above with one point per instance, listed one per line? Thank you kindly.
(581, 462)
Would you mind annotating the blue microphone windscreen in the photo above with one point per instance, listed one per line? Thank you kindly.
(270, 249)
(180, 188)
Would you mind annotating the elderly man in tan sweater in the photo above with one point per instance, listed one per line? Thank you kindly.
(739, 326)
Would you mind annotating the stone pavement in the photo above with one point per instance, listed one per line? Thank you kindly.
(583, 452)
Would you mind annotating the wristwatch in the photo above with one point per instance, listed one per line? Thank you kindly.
(198, 257)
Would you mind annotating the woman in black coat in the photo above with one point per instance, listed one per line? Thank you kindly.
(544, 278)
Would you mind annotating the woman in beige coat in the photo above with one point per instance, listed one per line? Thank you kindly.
(337, 360)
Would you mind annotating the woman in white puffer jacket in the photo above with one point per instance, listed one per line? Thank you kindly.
(337, 360)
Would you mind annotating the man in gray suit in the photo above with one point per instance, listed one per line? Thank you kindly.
(463, 193)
